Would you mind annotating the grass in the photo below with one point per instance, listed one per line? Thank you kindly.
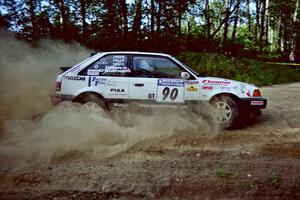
(223, 174)
(275, 178)
(255, 184)
(241, 69)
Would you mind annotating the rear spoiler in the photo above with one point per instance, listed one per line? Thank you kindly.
(63, 69)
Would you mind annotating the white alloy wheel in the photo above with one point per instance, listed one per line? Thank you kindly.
(227, 111)
(224, 112)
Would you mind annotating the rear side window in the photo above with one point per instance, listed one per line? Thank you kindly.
(110, 65)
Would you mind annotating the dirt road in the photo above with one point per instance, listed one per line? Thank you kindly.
(170, 159)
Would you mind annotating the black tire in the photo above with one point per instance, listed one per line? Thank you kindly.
(94, 98)
(227, 111)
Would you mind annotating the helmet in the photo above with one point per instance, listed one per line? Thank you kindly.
(143, 65)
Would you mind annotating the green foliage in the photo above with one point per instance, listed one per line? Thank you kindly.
(275, 178)
(223, 174)
(245, 38)
(241, 69)
(255, 184)
(162, 26)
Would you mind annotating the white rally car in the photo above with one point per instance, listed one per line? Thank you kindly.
(113, 80)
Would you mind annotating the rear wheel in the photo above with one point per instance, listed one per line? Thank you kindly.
(227, 111)
(92, 100)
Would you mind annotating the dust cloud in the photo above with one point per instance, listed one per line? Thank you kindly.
(69, 130)
(74, 131)
(28, 74)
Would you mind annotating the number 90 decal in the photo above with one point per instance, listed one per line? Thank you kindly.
(166, 93)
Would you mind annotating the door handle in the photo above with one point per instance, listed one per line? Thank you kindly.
(139, 84)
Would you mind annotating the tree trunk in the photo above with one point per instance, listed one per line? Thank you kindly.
(158, 16)
(179, 18)
(297, 30)
(138, 17)
(124, 15)
(248, 15)
(262, 24)
(83, 15)
(267, 18)
(226, 23)
(236, 18)
(207, 18)
(285, 38)
(152, 11)
(31, 4)
(110, 24)
(64, 20)
(222, 22)
(279, 33)
(256, 30)
(297, 46)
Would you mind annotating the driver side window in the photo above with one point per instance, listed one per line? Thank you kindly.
(155, 67)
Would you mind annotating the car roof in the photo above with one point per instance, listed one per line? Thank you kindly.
(135, 52)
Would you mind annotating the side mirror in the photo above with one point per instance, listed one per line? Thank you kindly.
(185, 75)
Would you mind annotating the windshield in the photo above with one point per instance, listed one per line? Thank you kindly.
(193, 71)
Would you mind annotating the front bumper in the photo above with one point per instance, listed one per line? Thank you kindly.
(253, 103)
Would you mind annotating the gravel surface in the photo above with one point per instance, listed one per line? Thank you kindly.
(62, 155)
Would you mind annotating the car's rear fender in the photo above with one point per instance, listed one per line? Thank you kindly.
(88, 90)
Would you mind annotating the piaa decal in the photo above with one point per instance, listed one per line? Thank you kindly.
(117, 90)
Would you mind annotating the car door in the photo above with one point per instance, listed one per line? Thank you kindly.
(142, 85)
(156, 79)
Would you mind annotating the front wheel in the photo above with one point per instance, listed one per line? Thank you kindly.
(227, 111)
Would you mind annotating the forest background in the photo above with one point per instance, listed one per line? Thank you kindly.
(248, 40)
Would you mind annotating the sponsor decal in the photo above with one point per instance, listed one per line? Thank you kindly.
(98, 80)
(158, 106)
(112, 84)
(215, 82)
(93, 72)
(225, 88)
(248, 94)
(207, 87)
(257, 103)
(120, 105)
(191, 82)
(75, 78)
(116, 69)
(170, 82)
(112, 69)
(242, 85)
(192, 88)
(117, 90)
(114, 64)
(119, 59)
